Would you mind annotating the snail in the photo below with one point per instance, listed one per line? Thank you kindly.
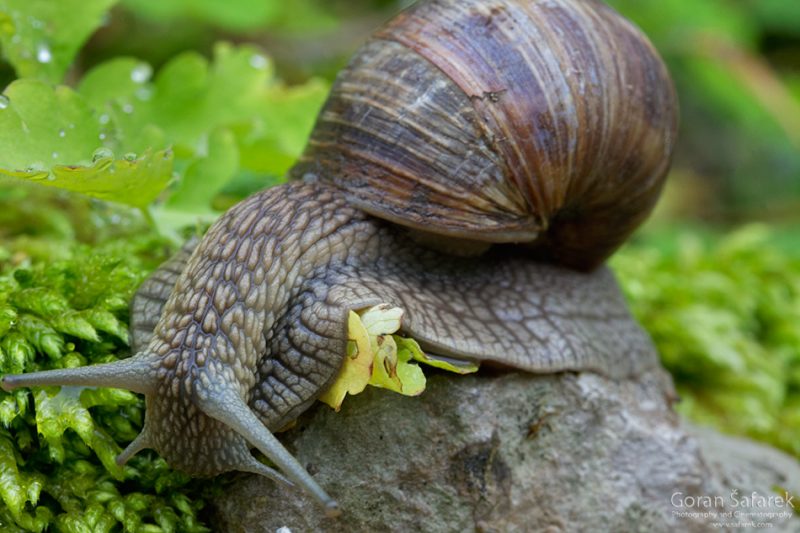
(475, 164)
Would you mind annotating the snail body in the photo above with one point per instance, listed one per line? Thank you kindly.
(547, 123)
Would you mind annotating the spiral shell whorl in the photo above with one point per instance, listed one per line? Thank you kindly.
(544, 121)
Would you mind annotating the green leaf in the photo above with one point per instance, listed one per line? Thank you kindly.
(41, 37)
(224, 119)
(206, 176)
(287, 118)
(113, 80)
(135, 181)
(47, 136)
(188, 98)
(41, 127)
(409, 349)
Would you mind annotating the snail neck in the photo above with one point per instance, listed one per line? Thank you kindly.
(246, 286)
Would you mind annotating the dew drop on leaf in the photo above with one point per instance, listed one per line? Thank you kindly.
(141, 73)
(102, 136)
(104, 119)
(144, 93)
(130, 156)
(102, 153)
(127, 108)
(43, 54)
(55, 155)
(258, 61)
(3, 101)
(62, 133)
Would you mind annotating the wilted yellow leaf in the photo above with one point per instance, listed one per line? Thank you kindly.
(357, 367)
(377, 357)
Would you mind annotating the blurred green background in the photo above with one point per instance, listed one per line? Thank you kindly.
(157, 115)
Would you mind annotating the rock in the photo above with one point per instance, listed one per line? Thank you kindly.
(512, 452)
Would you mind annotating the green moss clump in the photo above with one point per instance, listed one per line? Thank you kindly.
(64, 303)
(724, 313)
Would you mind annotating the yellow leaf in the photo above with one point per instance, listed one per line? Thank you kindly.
(384, 371)
(357, 366)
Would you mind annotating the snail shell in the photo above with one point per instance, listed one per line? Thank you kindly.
(547, 122)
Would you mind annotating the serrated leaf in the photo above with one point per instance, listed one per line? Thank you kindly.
(223, 118)
(136, 181)
(50, 136)
(40, 37)
(189, 96)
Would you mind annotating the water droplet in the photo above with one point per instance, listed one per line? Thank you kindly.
(130, 156)
(102, 153)
(36, 23)
(127, 108)
(104, 119)
(144, 93)
(55, 155)
(258, 61)
(4, 101)
(43, 54)
(102, 136)
(141, 73)
(62, 133)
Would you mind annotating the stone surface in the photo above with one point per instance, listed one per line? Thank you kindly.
(513, 452)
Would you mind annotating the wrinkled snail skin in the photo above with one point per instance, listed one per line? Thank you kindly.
(239, 333)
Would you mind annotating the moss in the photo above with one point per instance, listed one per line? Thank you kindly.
(724, 312)
(64, 302)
